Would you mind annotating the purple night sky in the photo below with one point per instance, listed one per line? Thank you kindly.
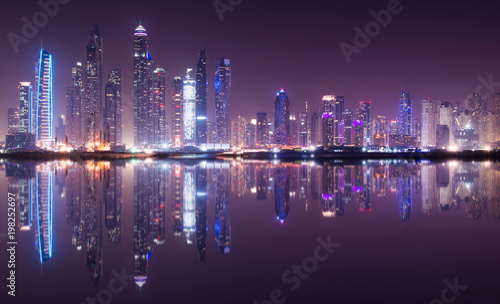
(435, 49)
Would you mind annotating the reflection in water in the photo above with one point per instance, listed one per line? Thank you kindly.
(94, 198)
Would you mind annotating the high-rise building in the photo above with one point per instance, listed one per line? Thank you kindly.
(25, 108)
(328, 121)
(159, 111)
(294, 131)
(380, 136)
(262, 134)
(339, 120)
(445, 116)
(315, 130)
(13, 120)
(238, 127)
(486, 128)
(357, 133)
(429, 123)
(201, 99)
(348, 130)
(189, 106)
(222, 212)
(61, 130)
(142, 78)
(177, 125)
(496, 110)
(282, 119)
(303, 130)
(222, 99)
(365, 117)
(92, 106)
(405, 115)
(442, 136)
(75, 122)
(113, 127)
(44, 97)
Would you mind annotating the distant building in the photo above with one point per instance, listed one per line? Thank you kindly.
(20, 141)
(303, 130)
(25, 108)
(201, 99)
(13, 120)
(328, 121)
(315, 129)
(261, 130)
(357, 133)
(61, 130)
(365, 117)
(348, 127)
(177, 125)
(142, 77)
(189, 115)
(339, 120)
(76, 123)
(442, 136)
(429, 123)
(405, 115)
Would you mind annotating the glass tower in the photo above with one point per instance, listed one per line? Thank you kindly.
(189, 110)
(44, 92)
(282, 119)
(201, 99)
(222, 99)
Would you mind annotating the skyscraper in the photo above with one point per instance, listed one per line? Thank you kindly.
(365, 117)
(201, 99)
(92, 98)
(222, 99)
(44, 93)
(13, 120)
(429, 123)
(25, 107)
(141, 86)
(189, 110)
(405, 115)
(303, 130)
(262, 135)
(315, 129)
(339, 120)
(496, 110)
(177, 125)
(328, 121)
(282, 119)
(348, 127)
(159, 107)
(75, 122)
(113, 108)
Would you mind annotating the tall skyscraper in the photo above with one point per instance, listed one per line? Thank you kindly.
(189, 110)
(25, 108)
(366, 117)
(262, 134)
(92, 106)
(13, 120)
(405, 115)
(141, 87)
(113, 109)
(201, 99)
(177, 125)
(303, 130)
(75, 122)
(348, 127)
(328, 121)
(496, 110)
(159, 107)
(445, 117)
(282, 119)
(315, 129)
(44, 92)
(429, 123)
(222, 99)
(339, 120)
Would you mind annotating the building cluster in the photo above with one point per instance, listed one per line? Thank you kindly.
(94, 118)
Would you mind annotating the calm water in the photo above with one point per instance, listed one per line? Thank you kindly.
(239, 232)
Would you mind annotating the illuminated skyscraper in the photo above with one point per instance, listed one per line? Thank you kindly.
(303, 131)
(366, 117)
(201, 99)
(223, 99)
(261, 130)
(201, 210)
(282, 134)
(142, 87)
(189, 202)
(177, 126)
(92, 105)
(405, 115)
(328, 121)
(75, 122)
(315, 130)
(348, 127)
(189, 106)
(25, 108)
(429, 123)
(44, 206)
(44, 93)
(339, 120)
(159, 112)
(496, 109)
(113, 128)
(177, 201)
(13, 120)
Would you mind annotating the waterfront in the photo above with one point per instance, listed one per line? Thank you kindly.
(225, 231)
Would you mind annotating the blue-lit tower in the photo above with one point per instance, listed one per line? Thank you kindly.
(201, 99)
(222, 100)
(282, 119)
(44, 98)
(405, 115)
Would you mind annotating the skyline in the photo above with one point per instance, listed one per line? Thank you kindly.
(251, 94)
